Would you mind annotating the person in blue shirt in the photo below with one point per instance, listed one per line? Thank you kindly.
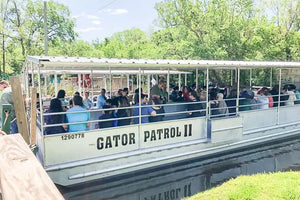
(78, 117)
(101, 99)
(144, 110)
(87, 102)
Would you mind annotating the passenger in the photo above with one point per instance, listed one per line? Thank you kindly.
(289, 90)
(194, 107)
(78, 117)
(174, 93)
(165, 95)
(76, 93)
(123, 102)
(222, 106)
(275, 92)
(55, 107)
(297, 93)
(106, 114)
(180, 97)
(101, 99)
(156, 90)
(231, 101)
(262, 98)
(87, 102)
(214, 104)
(186, 93)
(158, 109)
(61, 95)
(246, 100)
(113, 103)
(144, 110)
(136, 95)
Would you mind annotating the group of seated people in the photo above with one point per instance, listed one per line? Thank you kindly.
(121, 110)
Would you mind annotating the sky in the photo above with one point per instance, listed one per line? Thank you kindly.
(97, 19)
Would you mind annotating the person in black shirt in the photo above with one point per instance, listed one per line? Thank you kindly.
(107, 114)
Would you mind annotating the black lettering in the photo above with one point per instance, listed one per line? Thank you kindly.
(160, 196)
(172, 194)
(159, 132)
(146, 135)
(124, 139)
(178, 133)
(177, 193)
(153, 197)
(100, 143)
(166, 133)
(166, 194)
(185, 130)
(190, 129)
(172, 132)
(131, 138)
(153, 136)
(108, 143)
(116, 138)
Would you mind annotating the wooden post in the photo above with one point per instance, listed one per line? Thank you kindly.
(19, 107)
(21, 175)
(33, 115)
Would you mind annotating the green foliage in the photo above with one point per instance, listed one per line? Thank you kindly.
(211, 29)
(261, 186)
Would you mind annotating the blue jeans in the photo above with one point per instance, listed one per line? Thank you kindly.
(14, 126)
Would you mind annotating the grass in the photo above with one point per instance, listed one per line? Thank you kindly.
(280, 185)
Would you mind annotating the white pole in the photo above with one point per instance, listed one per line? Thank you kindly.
(185, 79)
(279, 91)
(55, 84)
(238, 91)
(110, 84)
(271, 77)
(250, 79)
(45, 84)
(207, 100)
(197, 78)
(168, 83)
(148, 84)
(179, 81)
(79, 83)
(92, 82)
(104, 82)
(127, 80)
(231, 77)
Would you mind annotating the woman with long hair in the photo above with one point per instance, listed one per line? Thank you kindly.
(55, 107)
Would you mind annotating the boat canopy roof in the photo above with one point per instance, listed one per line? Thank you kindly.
(79, 63)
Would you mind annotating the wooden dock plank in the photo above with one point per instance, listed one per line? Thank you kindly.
(19, 107)
(21, 175)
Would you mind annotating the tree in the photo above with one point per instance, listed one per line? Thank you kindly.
(24, 26)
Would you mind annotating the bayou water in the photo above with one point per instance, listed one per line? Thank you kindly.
(186, 179)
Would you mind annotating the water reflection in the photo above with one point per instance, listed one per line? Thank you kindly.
(178, 181)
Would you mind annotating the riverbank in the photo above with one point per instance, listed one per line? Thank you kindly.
(280, 185)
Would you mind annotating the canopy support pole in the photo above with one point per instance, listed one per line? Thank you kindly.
(110, 83)
(55, 84)
(279, 95)
(238, 91)
(250, 82)
(148, 84)
(79, 83)
(179, 81)
(168, 84)
(197, 78)
(185, 79)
